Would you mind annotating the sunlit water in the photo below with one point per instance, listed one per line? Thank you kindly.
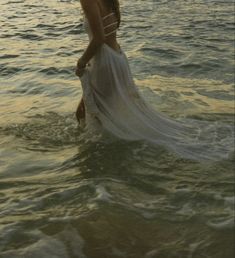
(66, 194)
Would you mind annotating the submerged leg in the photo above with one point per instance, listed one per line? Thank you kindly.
(80, 113)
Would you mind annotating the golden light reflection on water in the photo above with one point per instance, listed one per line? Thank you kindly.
(174, 96)
(183, 95)
(22, 108)
(49, 179)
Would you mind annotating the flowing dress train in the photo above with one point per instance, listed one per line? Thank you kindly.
(112, 100)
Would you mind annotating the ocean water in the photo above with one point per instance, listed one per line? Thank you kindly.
(66, 194)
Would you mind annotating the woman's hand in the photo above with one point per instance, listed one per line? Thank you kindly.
(80, 69)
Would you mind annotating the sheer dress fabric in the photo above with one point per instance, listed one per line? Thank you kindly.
(114, 104)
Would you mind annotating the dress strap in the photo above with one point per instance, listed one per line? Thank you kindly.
(111, 24)
(108, 15)
(111, 32)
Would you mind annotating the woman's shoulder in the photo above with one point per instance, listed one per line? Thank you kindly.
(95, 4)
(88, 5)
(89, 2)
(92, 2)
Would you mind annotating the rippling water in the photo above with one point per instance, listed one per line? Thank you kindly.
(64, 193)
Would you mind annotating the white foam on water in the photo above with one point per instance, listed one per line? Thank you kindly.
(224, 221)
(7, 232)
(117, 252)
(186, 210)
(230, 201)
(66, 218)
(193, 248)
(50, 246)
(151, 254)
(148, 215)
(222, 224)
(47, 248)
(102, 194)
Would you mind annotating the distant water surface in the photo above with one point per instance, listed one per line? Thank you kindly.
(64, 193)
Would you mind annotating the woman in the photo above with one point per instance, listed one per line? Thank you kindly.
(104, 18)
(111, 97)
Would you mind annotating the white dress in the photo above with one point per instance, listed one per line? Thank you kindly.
(113, 103)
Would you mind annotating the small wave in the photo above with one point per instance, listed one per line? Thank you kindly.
(45, 26)
(47, 246)
(222, 223)
(191, 66)
(216, 94)
(166, 53)
(6, 56)
(9, 70)
(30, 36)
(57, 71)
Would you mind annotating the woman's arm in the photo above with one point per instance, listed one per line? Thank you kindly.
(91, 10)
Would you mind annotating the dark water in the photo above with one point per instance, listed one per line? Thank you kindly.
(64, 193)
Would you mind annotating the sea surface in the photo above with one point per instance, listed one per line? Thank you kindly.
(66, 195)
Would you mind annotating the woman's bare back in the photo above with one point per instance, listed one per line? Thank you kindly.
(105, 10)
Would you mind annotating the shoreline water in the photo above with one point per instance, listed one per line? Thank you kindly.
(64, 195)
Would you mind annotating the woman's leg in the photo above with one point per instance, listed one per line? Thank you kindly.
(80, 113)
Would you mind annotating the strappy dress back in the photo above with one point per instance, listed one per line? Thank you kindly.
(112, 25)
